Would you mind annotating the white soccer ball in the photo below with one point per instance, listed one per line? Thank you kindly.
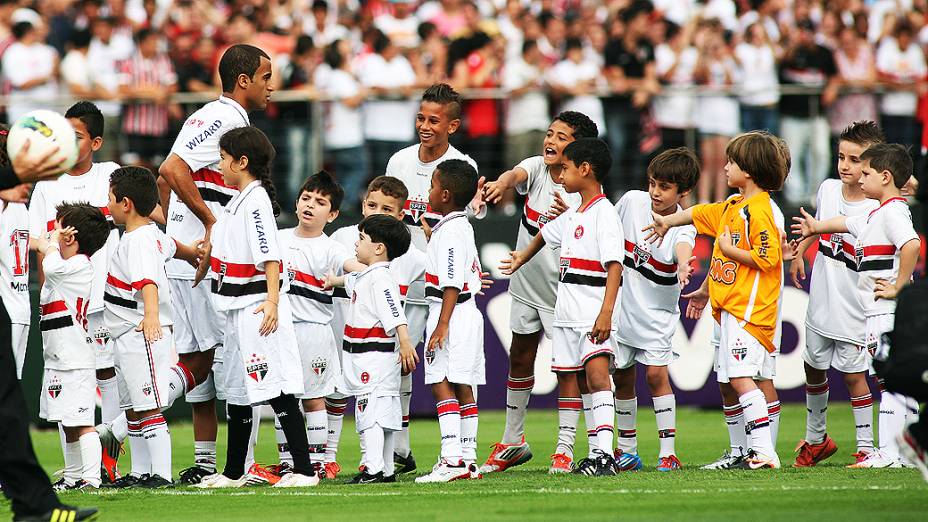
(44, 129)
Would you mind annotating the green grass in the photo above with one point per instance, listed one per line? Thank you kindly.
(827, 492)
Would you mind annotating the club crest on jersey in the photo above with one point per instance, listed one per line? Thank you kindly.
(319, 365)
(740, 351)
(564, 265)
(836, 244)
(641, 255)
(362, 404)
(221, 275)
(578, 232)
(256, 368)
(858, 255)
(418, 209)
(54, 388)
(291, 273)
(147, 389)
(543, 220)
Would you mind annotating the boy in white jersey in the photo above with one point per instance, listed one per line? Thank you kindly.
(454, 360)
(649, 309)
(376, 345)
(191, 171)
(885, 253)
(590, 265)
(532, 307)
(835, 319)
(69, 385)
(14, 263)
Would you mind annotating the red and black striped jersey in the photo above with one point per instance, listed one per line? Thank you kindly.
(63, 304)
(451, 260)
(307, 261)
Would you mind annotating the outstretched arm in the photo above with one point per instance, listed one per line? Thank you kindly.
(662, 224)
(517, 258)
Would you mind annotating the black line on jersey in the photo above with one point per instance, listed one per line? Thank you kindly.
(649, 275)
(340, 292)
(840, 257)
(119, 301)
(531, 229)
(408, 219)
(302, 291)
(238, 290)
(214, 195)
(585, 280)
(875, 264)
(367, 347)
(56, 323)
(431, 291)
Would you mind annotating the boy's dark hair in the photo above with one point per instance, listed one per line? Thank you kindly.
(425, 30)
(892, 157)
(323, 183)
(320, 4)
(381, 42)
(444, 94)
(91, 225)
(389, 186)
(81, 38)
(459, 178)
(573, 43)
(21, 29)
(678, 166)
(528, 45)
(759, 156)
(253, 144)
(593, 151)
(304, 44)
(239, 59)
(393, 233)
(863, 132)
(583, 126)
(137, 184)
(332, 57)
(143, 33)
(90, 115)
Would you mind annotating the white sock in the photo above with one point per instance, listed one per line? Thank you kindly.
(389, 440)
(626, 417)
(587, 400)
(757, 423)
(109, 399)
(253, 437)
(734, 420)
(665, 413)
(892, 422)
(863, 421)
(141, 458)
(518, 393)
(204, 454)
(120, 427)
(156, 434)
(568, 413)
(316, 431)
(374, 458)
(816, 411)
(72, 462)
(773, 413)
(911, 410)
(449, 423)
(180, 381)
(335, 415)
(603, 407)
(91, 456)
(469, 422)
(283, 449)
(401, 439)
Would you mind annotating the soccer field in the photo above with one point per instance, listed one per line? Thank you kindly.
(827, 492)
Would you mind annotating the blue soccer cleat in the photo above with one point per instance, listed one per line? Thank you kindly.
(627, 461)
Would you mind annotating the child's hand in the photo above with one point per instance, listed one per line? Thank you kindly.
(790, 248)
(330, 280)
(485, 281)
(408, 357)
(726, 245)
(438, 338)
(602, 328)
(478, 205)
(150, 328)
(658, 229)
(269, 324)
(911, 187)
(804, 225)
(797, 270)
(493, 192)
(559, 206)
(883, 289)
(426, 228)
(698, 299)
(509, 266)
(684, 271)
(204, 251)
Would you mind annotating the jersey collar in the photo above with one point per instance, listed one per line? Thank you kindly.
(590, 203)
(236, 201)
(448, 217)
(225, 100)
(883, 204)
(372, 267)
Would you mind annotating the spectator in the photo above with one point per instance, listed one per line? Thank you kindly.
(856, 69)
(195, 71)
(320, 28)
(552, 40)
(675, 62)
(577, 81)
(32, 69)
(296, 74)
(449, 19)
(76, 71)
(401, 25)
(478, 70)
(527, 118)
(105, 53)
(900, 65)
(430, 59)
(759, 87)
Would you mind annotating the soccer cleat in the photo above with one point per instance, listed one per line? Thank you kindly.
(754, 460)
(218, 480)
(445, 472)
(913, 451)
(112, 448)
(809, 454)
(390, 479)
(726, 461)
(283, 468)
(405, 464)
(318, 469)
(366, 478)
(297, 480)
(193, 475)
(474, 470)
(63, 512)
(877, 459)
(600, 465)
(560, 463)
(268, 476)
(586, 466)
(332, 469)
(62, 485)
(669, 463)
(127, 481)
(860, 456)
(155, 482)
(627, 461)
(505, 456)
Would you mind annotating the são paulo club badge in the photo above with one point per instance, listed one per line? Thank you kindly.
(564, 265)
(319, 365)
(54, 388)
(739, 351)
(641, 255)
(257, 367)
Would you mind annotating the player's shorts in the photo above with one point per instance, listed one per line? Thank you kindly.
(876, 326)
(460, 359)
(197, 324)
(385, 411)
(319, 359)
(822, 353)
(571, 348)
(416, 319)
(103, 342)
(142, 370)
(740, 354)
(69, 397)
(260, 368)
(526, 319)
(626, 356)
(20, 337)
(767, 373)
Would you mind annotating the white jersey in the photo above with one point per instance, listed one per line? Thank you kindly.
(64, 302)
(650, 299)
(14, 261)
(417, 176)
(451, 260)
(308, 260)
(880, 234)
(369, 361)
(139, 261)
(535, 284)
(589, 238)
(91, 187)
(244, 238)
(834, 312)
(197, 144)
(406, 269)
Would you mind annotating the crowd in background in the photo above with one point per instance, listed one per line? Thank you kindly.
(652, 75)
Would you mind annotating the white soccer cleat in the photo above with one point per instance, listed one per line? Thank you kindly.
(877, 459)
(297, 480)
(757, 460)
(726, 461)
(218, 480)
(444, 472)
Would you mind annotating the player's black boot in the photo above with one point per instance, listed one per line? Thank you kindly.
(405, 464)
(366, 478)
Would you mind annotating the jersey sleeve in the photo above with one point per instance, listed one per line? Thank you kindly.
(609, 239)
(350, 281)
(337, 256)
(197, 143)
(765, 240)
(621, 207)
(687, 236)
(38, 222)
(553, 231)
(56, 269)
(143, 264)
(261, 233)
(452, 255)
(530, 166)
(856, 224)
(899, 229)
(386, 303)
(706, 218)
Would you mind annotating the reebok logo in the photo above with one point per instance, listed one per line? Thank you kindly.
(665, 410)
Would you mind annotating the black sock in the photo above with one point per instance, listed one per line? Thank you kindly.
(287, 409)
(239, 424)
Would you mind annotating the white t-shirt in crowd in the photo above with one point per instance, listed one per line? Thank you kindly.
(568, 74)
(403, 32)
(759, 82)
(528, 111)
(388, 120)
(343, 124)
(675, 110)
(24, 63)
(902, 66)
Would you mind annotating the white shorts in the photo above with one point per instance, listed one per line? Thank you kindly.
(385, 411)
(822, 353)
(740, 354)
(319, 359)
(69, 397)
(103, 341)
(526, 319)
(626, 356)
(257, 369)
(416, 319)
(876, 326)
(767, 372)
(142, 370)
(571, 348)
(20, 334)
(197, 324)
(461, 359)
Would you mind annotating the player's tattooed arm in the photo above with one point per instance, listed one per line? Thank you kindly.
(685, 262)
(151, 323)
(662, 224)
(602, 328)
(493, 190)
(408, 356)
(806, 225)
(908, 257)
(517, 258)
(449, 299)
(269, 306)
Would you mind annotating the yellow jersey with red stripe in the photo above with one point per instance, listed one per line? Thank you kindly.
(750, 294)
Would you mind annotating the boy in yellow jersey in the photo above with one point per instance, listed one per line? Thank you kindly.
(745, 274)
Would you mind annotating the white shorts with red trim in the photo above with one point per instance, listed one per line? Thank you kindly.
(526, 319)
(822, 353)
(20, 338)
(740, 354)
(69, 397)
(371, 410)
(627, 356)
(876, 326)
(319, 359)
(461, 359)
(102, 340)
(571, 348)
(141, 369)
(197, 324)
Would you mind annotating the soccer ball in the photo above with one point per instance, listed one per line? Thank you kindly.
(44, 129)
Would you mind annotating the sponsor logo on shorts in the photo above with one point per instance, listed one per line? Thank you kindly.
(54, 388)
(256, 367)
(319, 365)
(578, 232)
(362, 404)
